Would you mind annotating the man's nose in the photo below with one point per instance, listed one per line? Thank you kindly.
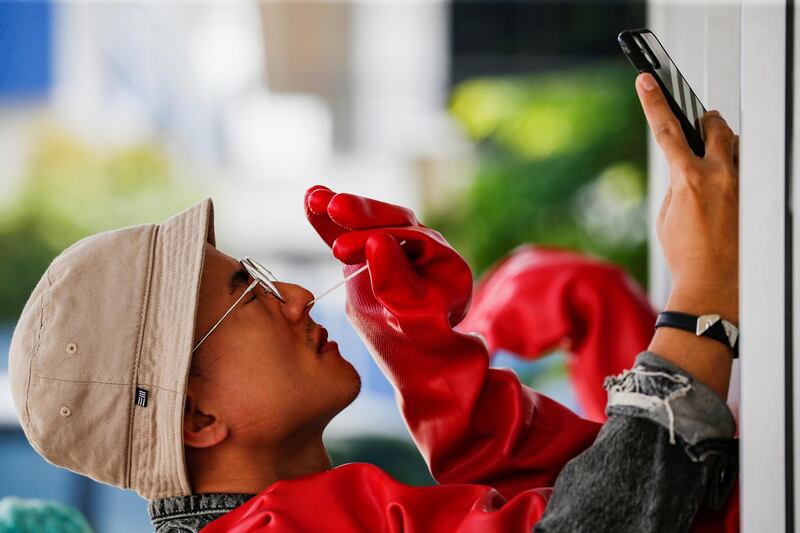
(296, 299)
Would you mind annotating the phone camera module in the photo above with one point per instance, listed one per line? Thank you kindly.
(646, 51)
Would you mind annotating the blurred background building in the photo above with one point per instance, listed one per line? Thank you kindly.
(499, 122)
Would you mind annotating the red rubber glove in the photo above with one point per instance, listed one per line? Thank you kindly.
(538, 299)
(472, 424)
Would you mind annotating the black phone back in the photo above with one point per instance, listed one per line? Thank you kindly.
(645, 52)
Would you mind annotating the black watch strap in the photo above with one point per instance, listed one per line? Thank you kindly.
(674, 319)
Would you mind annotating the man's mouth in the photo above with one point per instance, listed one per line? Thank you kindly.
(323, 344)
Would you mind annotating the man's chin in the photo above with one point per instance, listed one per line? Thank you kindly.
(355, 382)
(347, 389)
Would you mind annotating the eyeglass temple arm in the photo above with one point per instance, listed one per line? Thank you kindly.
(226, 314)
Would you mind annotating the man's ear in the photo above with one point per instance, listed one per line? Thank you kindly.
(201, 430)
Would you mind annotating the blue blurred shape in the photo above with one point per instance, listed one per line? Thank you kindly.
(5, 344)
(26, 475)
(25, 49)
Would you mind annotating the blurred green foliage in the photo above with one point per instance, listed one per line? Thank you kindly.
(18, 515)
(399, 458)
(70, 191)
(561, 161)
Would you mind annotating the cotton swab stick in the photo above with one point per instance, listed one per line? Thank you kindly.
(345, 280)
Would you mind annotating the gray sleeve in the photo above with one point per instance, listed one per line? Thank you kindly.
(666, 450)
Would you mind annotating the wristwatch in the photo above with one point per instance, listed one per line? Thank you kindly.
(712, 326)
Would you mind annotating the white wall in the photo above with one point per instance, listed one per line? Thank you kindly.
(762, 288)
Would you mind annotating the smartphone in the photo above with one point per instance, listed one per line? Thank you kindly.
(645, 52)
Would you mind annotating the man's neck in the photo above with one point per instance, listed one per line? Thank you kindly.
(233, 469)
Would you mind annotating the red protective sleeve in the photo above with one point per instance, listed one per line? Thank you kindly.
(540, 299)
(472, 424)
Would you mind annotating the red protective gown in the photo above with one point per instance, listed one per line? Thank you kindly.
(494, 445)
(538, 299)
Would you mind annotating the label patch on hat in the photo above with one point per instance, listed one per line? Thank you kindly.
(141, 397)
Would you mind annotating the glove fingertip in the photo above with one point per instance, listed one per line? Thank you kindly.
(317, 199)
(343, 206)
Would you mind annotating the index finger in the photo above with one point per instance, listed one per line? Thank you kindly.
(358, 212)
(663, 122)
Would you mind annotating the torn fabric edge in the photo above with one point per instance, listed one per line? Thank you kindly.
(660, 391)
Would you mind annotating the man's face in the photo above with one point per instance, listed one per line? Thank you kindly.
(261, 371)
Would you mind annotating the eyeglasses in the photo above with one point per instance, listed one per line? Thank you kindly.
(260, 276)
(263, 276)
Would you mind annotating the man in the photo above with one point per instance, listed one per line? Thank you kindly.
(105, 383)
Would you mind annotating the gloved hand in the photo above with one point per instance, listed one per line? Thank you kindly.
(407, 286)
(539, 299)
(432, 280)
(471, 423)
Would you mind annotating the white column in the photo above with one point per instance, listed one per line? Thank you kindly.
(761, 252)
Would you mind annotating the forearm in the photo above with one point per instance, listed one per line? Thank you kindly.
(471, 423)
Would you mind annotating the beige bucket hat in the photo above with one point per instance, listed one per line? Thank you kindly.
(99, 359)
